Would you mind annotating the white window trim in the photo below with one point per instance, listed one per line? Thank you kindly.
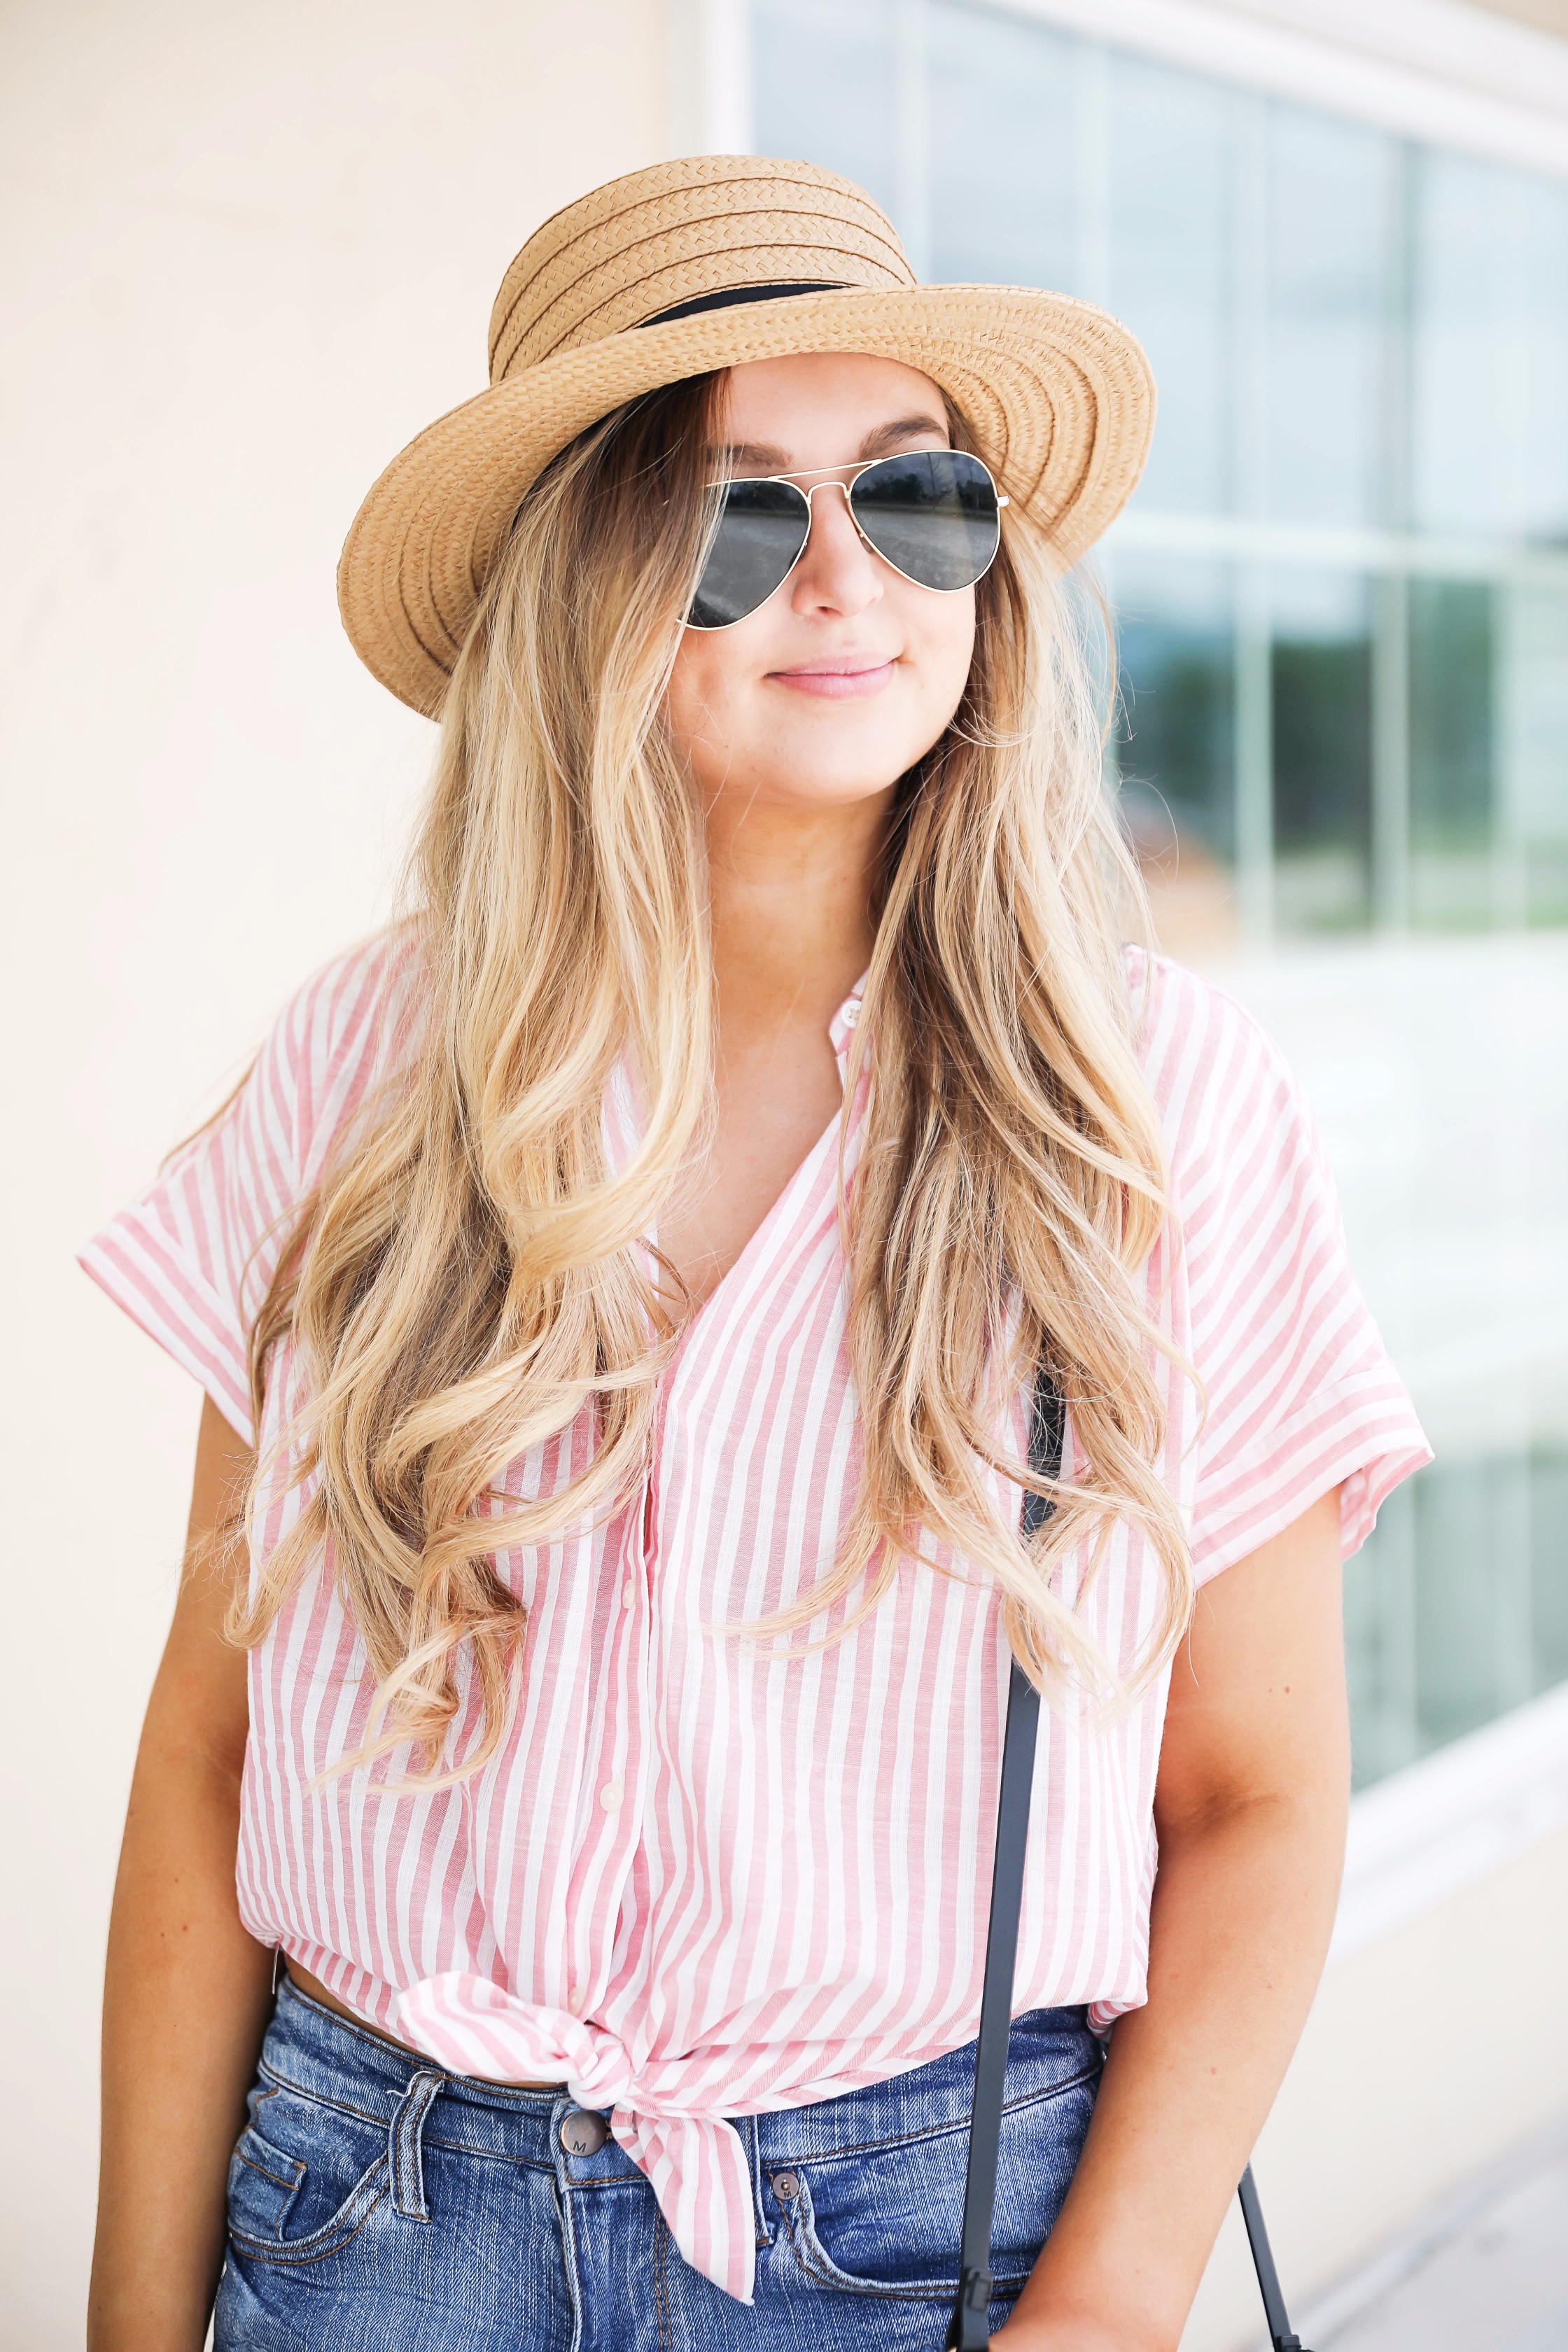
(707, 53)
(1241, 538)
(1433, 69)
(1437, 1827)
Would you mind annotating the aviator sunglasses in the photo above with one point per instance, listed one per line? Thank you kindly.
(935, 515)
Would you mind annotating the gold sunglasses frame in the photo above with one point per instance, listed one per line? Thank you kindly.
(854, 467)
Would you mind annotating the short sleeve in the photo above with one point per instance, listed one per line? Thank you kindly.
(191, 1258)
(1301, 1394)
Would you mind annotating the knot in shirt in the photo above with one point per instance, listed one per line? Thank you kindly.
(694, 2162)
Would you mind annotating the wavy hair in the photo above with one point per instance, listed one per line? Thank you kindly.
(466, 1278)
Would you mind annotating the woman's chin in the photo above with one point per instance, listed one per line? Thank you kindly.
(840, 750)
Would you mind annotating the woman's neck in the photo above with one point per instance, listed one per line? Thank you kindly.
(791, 909)
(792, 934)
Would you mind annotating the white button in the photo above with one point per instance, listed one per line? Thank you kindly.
(852, 1013)
(610, 1796)
(629, 1594)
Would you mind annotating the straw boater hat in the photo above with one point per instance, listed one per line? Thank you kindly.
(694, 265)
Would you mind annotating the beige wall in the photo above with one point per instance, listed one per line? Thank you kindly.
(1552, 15)
(249, 251)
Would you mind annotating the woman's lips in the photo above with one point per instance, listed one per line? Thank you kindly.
(846, 681)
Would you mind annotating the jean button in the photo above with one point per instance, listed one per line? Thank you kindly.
(786, 2187)
(582, 2133)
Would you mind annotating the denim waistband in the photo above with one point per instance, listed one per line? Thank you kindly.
(313, 2052)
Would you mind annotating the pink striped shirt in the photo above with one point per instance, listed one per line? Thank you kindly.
(700, 1880)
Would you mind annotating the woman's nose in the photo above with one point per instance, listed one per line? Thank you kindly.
(838, 572)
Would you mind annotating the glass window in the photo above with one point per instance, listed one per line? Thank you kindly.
(1172, 169)
(1530, 687)
(1380, 1645)
(1549, 1570)
(1176, 755)
(1451, 864)
(828, 87)
(1488, 351)
(1321, 678)
(1331, 187)
(1457, 1609)
(1543, 469)
(1003, 161)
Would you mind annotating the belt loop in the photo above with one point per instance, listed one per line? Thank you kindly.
(405, 2152)
(752, 2128)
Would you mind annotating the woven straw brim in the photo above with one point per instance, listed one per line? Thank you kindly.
(1059, 392)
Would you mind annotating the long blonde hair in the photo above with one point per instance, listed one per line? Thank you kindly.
(466, 1278)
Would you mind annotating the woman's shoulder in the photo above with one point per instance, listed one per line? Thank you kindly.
(1217, 1077)
(192, 1257)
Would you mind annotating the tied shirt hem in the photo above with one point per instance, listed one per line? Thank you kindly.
(695, 2163)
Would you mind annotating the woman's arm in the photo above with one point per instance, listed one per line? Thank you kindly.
(188, 1992)
(1250, 1806)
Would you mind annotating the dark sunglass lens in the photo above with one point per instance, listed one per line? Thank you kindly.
(933, 514)
(762, 529)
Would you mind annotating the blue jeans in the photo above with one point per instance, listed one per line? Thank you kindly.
(377, 2204)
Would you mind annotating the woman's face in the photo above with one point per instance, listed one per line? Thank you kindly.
(849, 672)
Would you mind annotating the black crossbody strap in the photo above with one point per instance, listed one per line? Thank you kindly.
(970, 2326)
(969, 2329)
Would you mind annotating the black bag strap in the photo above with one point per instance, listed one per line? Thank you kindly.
(969, 2330)
(1280, 2337)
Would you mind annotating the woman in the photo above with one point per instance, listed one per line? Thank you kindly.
(630, 1273)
